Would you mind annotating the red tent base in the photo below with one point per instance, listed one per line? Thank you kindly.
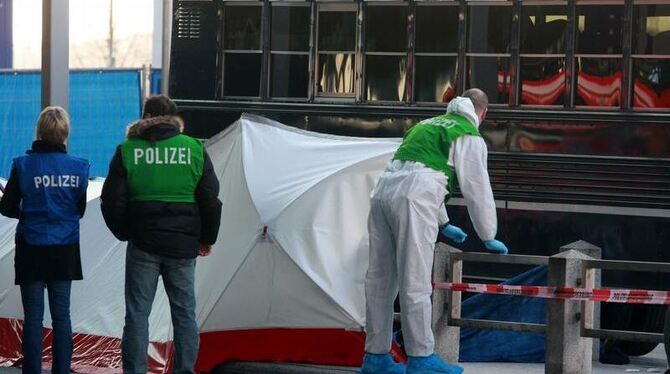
(91, 353)
(335, 347)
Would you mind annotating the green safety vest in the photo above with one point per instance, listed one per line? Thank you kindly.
(166, 170)
(429, 141)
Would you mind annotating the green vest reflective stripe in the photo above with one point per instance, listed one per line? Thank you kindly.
(167, 170)
(429, 141)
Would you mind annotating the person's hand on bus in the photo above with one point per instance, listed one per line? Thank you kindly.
(454, 233)
(496, 246)
(204, 250)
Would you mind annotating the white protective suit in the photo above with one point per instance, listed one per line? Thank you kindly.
(406, 211)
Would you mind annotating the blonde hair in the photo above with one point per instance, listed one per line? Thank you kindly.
(53, 125)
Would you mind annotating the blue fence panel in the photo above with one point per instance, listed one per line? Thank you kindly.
(19, 108)
(102, 104)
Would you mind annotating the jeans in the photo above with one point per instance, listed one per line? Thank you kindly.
(142, 272)
(32, 296)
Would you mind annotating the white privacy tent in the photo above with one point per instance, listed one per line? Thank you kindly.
(284, 282)
(292, 251)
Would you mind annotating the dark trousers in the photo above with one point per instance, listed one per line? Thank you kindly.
(32, 296)
(142, 272)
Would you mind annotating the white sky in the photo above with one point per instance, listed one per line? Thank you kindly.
(89, 20)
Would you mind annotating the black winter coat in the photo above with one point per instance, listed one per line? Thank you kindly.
(163, 228)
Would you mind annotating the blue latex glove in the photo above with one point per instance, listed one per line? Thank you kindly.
(454, 233)
(496, 246)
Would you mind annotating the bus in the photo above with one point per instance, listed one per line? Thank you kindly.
(578, 127)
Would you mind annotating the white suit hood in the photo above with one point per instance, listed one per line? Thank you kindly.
(463, 107)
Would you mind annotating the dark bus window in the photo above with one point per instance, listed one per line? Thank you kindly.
(542, 80)
(492, 75)
(543, 29)
(386, 48)
(435, 79)
(386, 28)
(242, 32)
(290, 28)
(651, 60)
(289, 45)
(651, 83)
(385, 78)
(289, 75)
(489, 29)
(598, 82)
(337, 31)
(242, 74)
(336, 74)
(651, 32)
(599, 29)
(436, 29)
(242, 27)
(336, 46)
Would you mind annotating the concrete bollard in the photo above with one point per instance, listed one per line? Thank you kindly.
(567, 352)
(591, 279)
(447, 338)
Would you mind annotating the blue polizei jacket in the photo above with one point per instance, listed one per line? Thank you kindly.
(51, 185)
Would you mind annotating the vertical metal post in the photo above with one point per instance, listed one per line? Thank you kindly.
(165, 52)
(515, 67)
(411, 43)
(627, 63)
(156, 56)
(55, 53)
(447, 338)
(221, 56)
(5, 34)
(359, 87)
(145, 82)
(266, 30)
(570, 70)
(313, 44)
(110, 41)
(461, 72)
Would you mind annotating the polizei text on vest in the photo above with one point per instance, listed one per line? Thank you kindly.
(56, 181)
(163, 155)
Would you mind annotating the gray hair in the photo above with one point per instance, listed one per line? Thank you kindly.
(53, 125)
(478, 97)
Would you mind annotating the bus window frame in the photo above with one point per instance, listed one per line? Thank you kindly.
(563, 55)
(483, 3)
(335, 6)
(642, 56)
(272, 52)
(365, 53)
(415, 54)
(241, 3)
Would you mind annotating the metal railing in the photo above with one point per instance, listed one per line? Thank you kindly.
(588, 321)
(455, 276)
(571, 324)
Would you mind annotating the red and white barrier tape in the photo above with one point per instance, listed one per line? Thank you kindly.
(606, 295)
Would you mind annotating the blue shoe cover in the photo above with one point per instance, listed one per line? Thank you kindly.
(431, 365)
(381, 364)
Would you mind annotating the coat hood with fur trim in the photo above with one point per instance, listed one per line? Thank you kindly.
(141, 129)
